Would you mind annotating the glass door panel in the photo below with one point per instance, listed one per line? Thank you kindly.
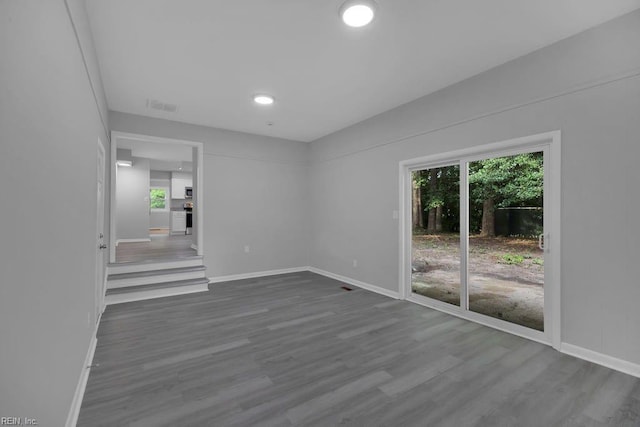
(435, 263)
(505, 256)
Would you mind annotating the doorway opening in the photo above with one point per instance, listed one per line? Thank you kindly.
(156, 211)
(480, 234)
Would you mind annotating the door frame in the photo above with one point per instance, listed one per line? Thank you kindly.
(101, 274)
(199, 178)
(549, 142)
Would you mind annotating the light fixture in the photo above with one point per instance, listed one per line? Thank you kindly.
(125, 163)
(358, 13)
(263, 99)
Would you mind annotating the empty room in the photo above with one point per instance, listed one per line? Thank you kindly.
(320, 213)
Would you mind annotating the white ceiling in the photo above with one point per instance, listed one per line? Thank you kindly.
(210, 56)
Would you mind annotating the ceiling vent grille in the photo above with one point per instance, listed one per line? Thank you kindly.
(162, 106)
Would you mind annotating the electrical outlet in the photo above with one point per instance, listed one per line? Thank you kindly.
(355, 263)
(246, 249)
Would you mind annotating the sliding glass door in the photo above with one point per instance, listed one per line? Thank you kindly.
(435, 215)
(479, 226)
(506, 219)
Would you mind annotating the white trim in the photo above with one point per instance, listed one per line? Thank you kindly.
(100, 232)
(113, 170)
(354, 282)
(162, 277)
(76, 403)
(481, 151)
(103, 303)
(200, 204)
(547, 142)
(601, 359)
(151, 266)
(555, 242)
(156, 293)
(367, 286)
(131, 241)
(233, 277)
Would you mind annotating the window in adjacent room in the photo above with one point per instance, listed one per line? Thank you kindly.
(158, 199)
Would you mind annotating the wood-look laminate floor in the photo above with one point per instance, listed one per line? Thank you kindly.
(160, 248)
(298, 350)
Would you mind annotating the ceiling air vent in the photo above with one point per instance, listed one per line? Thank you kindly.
(162, 106)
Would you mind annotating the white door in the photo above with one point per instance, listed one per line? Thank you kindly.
(100, 245)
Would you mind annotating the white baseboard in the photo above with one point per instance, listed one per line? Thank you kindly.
(76, 403)
(601, 359)
(132, 241)
(243, 276)
(363, 285)
(354, 282)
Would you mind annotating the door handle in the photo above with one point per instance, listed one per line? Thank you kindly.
(102, 246)
(541, 242)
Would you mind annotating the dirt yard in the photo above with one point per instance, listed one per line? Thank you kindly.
(506, 275)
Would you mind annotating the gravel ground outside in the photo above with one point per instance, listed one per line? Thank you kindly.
(506, 275)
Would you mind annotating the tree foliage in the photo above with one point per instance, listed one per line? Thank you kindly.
(158, 198)
(509, 181)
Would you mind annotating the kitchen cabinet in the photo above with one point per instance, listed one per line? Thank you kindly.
(180, 180)
(178, 222)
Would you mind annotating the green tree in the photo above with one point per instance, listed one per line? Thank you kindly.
(158, 198)
(436, 202)
(505, 182)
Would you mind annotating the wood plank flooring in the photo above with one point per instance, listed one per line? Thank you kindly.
(297, 349)
(160, 248)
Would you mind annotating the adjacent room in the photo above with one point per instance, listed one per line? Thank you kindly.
(343, 212)
(153, 203)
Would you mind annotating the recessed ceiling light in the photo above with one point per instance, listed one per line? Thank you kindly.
(263, 99)
(358, 13)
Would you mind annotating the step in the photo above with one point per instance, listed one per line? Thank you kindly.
(124, 280)
(136, 267)
(155, 290)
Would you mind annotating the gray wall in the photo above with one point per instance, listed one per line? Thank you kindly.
(588, 86)
(255, 193)
(161, 219)
(132, 200)
(49, 130)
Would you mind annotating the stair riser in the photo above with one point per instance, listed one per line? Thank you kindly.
(138, 268)
(148, 280)
(155, 293)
